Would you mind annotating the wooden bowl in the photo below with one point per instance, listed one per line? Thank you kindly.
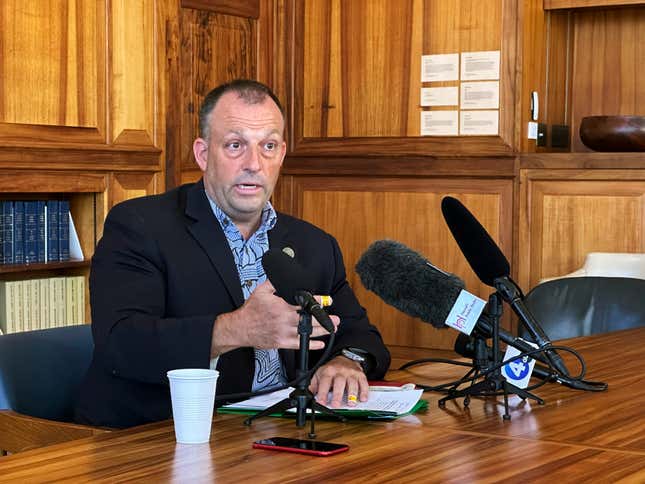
(613, 133)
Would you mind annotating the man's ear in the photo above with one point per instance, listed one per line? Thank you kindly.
(284, 152)
(200, 150)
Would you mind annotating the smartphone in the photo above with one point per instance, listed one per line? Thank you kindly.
(310, 447)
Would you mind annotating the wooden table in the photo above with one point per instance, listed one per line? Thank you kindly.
(575, 437)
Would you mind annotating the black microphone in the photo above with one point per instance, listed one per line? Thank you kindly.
(465, 346)
(492, 268)
(293, 284)
(406, 280)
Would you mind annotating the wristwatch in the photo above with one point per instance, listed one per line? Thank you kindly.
(356, 355)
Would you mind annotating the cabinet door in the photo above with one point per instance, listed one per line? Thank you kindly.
(357, 72)
(124, 186)
(80, 73)
(218, 41)
(565, 214)
(359, 211)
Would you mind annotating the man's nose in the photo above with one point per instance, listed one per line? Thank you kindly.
(252, 160)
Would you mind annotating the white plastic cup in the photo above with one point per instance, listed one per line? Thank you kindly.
(192, 392)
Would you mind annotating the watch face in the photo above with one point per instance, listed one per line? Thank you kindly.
(353, 356)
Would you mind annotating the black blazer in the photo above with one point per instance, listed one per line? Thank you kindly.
(161, 274)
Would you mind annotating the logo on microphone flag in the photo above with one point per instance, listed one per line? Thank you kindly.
(465, 312)
(518, 372)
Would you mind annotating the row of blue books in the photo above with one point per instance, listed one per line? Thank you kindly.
(34, 231)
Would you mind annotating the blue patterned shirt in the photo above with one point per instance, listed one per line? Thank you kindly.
(248, 260)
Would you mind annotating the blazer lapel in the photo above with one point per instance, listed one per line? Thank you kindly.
(209, 235)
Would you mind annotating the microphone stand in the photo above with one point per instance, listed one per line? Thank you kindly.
(493, 381)
(300, 398)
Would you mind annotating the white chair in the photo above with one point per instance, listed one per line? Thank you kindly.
(609, 264)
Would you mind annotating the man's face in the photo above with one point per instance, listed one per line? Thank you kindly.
(241, 160)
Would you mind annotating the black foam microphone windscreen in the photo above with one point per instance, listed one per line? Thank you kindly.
(479, 248)
(406, 280)
(293, 284)
(287, 276)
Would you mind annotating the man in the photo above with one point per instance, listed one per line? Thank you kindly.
(177, 279)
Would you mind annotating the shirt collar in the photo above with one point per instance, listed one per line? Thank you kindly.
(268, 219)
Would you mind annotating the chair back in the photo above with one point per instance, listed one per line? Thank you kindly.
(580, 306)
(41, 371)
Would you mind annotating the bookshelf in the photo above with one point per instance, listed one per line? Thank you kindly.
(86, 193)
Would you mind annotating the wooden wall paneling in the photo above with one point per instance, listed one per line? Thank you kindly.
(574, 4)
(566, 214)
(357, 72)
(79, 157)
(274, 29)
(534, 61)
(190, 176)
(471, 25)
(559, 53)
(171, 83)
(510, 99)
(133, 78)
(239, 8)
(214, 48)
(283, 197)
(52, 72)
(360, 211)
(18, 181)
(608, 59)
(375, 39)
(124, 186)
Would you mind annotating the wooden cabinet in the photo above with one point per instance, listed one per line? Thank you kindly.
(575, 204)
(82, 92)
(357, 73)
(581, 62)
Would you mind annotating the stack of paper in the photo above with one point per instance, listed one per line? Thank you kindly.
(381, 404)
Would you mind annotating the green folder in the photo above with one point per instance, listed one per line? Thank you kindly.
(349, 414)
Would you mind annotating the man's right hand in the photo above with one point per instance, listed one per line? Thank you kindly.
(264, 321)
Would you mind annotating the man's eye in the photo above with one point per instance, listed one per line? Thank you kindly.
(235, 145)
(270, 146)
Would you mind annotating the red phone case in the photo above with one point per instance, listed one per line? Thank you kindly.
(318, 453)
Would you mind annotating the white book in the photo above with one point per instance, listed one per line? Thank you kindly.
(43, 294)
(19, 304)
(58, 300)
(26, 305)
(80, 297)
(53, 307)
(6, 307)
(34, 304)
(70, 301)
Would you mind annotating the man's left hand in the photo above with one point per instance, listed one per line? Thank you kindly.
(340, 375)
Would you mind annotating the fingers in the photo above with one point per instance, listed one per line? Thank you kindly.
(338, 391)
(324, 385)
(358, 389)
(340, 376)
(318, 330)
(352, 392)
(363, 388)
